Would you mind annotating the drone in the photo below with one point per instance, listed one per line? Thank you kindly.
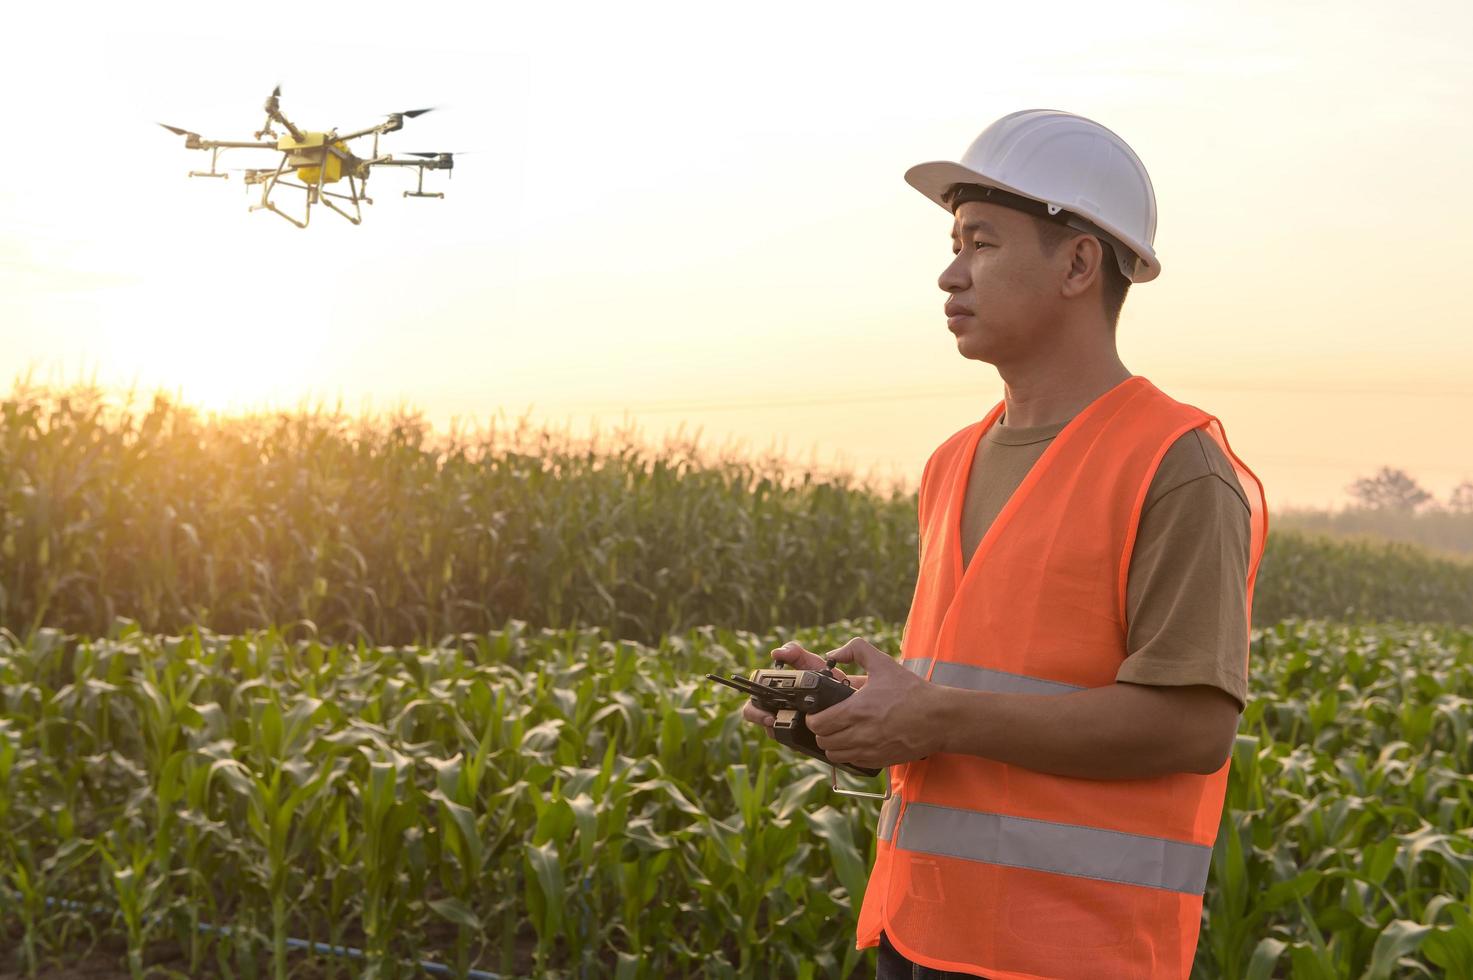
(316, 159)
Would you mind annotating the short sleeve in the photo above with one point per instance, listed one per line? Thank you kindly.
(1187, 584)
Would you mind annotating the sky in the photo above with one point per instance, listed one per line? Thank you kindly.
(691, 220)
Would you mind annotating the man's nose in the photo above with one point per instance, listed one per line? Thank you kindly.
(953, 277)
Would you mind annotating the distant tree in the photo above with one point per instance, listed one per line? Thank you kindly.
(1461, 499)
(1389, 489)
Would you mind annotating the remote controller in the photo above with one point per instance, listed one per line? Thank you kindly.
(792, 695)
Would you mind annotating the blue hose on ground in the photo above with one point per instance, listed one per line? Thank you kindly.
(316, 947)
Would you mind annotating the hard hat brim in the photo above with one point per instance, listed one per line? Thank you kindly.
(934, 177)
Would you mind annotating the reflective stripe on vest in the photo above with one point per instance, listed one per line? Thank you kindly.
(985, 679)
(1041, 845)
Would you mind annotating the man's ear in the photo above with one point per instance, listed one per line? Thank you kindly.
(1085, 265)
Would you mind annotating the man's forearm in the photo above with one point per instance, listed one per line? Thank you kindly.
(1120, 731)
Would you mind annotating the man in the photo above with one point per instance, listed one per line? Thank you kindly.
(1059, 728)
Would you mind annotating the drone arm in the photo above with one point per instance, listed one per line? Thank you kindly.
(228, 144)
(297, 134)
(380, 128)
(393, 124)
(389, 161)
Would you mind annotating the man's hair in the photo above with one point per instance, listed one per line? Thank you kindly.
(1113, 285)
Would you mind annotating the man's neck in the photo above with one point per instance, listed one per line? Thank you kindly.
(1054, 393)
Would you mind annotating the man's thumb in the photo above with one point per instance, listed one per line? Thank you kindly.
(793, 654)
(857, 651)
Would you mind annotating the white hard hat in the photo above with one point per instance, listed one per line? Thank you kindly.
(1064, 168)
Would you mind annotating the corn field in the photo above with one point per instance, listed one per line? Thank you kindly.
(377, 530)
(558, 803)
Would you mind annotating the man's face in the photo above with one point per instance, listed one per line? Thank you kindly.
(1000, 274)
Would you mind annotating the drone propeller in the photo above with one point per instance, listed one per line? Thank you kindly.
(179, 132)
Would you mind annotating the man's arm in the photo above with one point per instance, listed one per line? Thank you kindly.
(1120, 731)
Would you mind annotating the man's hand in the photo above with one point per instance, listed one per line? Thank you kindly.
(794, 656)
(889, 722)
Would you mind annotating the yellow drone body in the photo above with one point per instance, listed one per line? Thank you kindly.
(306, 156)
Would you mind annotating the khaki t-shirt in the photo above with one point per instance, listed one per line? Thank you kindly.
(1186, 589)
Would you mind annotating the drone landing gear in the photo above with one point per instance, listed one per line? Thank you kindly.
(270, 183)
(315, 195)
(357, 214)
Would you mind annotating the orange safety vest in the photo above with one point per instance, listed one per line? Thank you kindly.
(1008, 872)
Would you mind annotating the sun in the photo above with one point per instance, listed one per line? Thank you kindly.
(220, 355)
